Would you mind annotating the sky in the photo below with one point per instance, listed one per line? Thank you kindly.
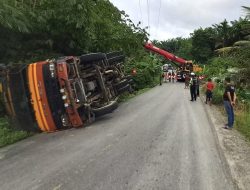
(178, 18)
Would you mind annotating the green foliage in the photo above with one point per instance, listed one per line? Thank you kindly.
(222, 33)
(185, 49)
(205, 41)
(12, 17)
(217, 66)
(243, 62)
(171, 45)
(247, 10)
(203, 44)
(67, 27)
(218, 94)
(8, 135)
(242, 43)
(181, 47)
(243, 119)
(148, 71)
(225, 51)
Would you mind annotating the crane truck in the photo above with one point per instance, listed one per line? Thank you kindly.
(184, 66)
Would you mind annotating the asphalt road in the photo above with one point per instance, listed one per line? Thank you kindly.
(158, 140)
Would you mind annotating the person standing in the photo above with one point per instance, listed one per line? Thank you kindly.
(209, 91)
(187, 78)
(229, 98)
(173, 76)
(198, 86)
(193, 84)
(161, 77)
(169, 76)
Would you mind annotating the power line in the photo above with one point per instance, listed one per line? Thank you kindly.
(158, 22)
(140, 11)
(148, 16)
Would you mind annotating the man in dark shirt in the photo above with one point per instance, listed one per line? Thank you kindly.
(229, 98)
(193, 85)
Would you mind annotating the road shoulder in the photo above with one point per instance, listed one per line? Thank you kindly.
(233, 147)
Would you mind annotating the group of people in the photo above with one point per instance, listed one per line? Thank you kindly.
(168, 77)
(229, 95)
(192, 82)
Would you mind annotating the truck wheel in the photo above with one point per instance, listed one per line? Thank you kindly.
(126, 88)
(105, 109)
(123, 83)
(90, 58)
(117, 59)
(113, 54)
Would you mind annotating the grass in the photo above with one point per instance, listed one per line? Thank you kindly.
(218, 94)
(242, 120)
(9, 135)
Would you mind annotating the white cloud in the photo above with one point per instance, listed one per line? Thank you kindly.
(179, 18)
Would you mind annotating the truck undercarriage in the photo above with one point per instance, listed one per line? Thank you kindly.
(64, 92)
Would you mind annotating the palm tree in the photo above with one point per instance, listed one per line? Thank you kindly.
(247, 10)
(223, 32)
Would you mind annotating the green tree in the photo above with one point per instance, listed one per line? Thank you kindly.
(222, 33)
(171, 45)
(181, 47)
(12, 17)
(65, 27)
(185, 48)
(203, 44)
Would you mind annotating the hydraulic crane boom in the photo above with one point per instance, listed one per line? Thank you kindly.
(164, 53)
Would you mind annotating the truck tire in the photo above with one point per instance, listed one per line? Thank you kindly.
(126, 88)
(105, 109)
(123, 83)
(90, 58)
(117, 59)
(113, 54)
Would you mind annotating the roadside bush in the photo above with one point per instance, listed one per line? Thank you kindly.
(217, 94)
(243, 119)
(218, 66)
(148, 72)
(8, 135)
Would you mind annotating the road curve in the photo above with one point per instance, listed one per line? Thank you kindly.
(156, 141)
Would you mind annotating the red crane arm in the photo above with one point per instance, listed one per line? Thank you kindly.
(164, 53)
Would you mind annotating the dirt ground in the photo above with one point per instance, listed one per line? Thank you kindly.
(234, 146)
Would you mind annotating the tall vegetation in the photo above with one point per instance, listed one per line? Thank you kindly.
(38, 28)
(33, 30)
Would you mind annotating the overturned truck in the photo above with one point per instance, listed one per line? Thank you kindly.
(63, 93)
